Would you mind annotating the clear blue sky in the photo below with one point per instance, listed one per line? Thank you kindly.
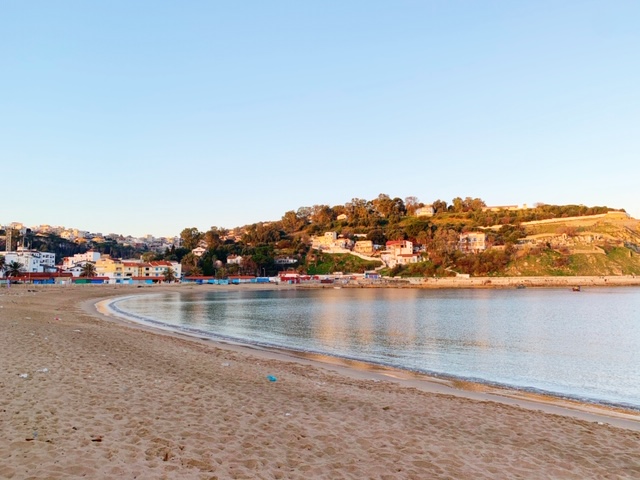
(140, 117)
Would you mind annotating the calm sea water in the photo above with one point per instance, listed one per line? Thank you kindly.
(583, 345)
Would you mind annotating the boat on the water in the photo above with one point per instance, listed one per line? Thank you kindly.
(576, 288)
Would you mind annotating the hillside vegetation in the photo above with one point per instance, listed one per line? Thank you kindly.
(541, 241)
(591, 245)
(544, 240)
(324, 263)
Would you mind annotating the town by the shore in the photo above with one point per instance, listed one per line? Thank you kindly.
(88, 396)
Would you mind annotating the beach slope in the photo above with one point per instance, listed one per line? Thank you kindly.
(81, 396)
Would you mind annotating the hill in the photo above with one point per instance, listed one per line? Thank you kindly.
(605, 244)
(545, 240)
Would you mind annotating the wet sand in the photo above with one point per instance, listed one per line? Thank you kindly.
(83, 396)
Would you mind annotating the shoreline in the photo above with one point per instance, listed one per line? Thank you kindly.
(88, 396)
(618, 415)
(508, 282)
(458, 282)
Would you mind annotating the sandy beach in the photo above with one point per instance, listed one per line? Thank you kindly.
(84, 396)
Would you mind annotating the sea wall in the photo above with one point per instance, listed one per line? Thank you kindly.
(514, 282)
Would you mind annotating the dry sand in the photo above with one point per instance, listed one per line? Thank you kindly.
(104, 400)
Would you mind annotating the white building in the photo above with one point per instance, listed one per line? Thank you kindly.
(400, 247)
(426, 211)
(80, 259)
(32, 260)
(76, 270)
(285, 261)
(234, 259)
(472, 242)
(399, 252)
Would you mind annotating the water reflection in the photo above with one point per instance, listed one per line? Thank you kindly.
(583, 345)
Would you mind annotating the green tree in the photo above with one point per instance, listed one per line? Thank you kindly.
(377, 236)
(439, 206)
(359, 212)
(190, 237)
(322, 215)
(116, 250)
(169, 275)
(148, 256)
(195, 271)
(383, 205)
(14, 269)
(386, 207)
(457, 205)
(179, 254)
(415, 226)
(190, 264)
(248, 266)
(304, 213)
(261, 234)
(233, 269)
(213, 237)
(473, 204)
(264, 259)
(170, 254)
(88, 270)
(291, 222)
(412, 204)
(396, 232)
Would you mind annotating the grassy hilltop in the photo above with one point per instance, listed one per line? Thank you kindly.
(591, 245)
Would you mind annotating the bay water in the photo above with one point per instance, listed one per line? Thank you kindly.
(582, 345)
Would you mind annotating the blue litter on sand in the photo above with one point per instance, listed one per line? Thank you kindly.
(271, 378)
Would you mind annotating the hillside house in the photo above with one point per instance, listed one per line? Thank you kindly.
(472, 242)
(399, 252)
(364, 247)
(426, 211)
(329, 241)
(400, 247)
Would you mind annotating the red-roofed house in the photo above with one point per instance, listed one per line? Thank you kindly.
(399, 252)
